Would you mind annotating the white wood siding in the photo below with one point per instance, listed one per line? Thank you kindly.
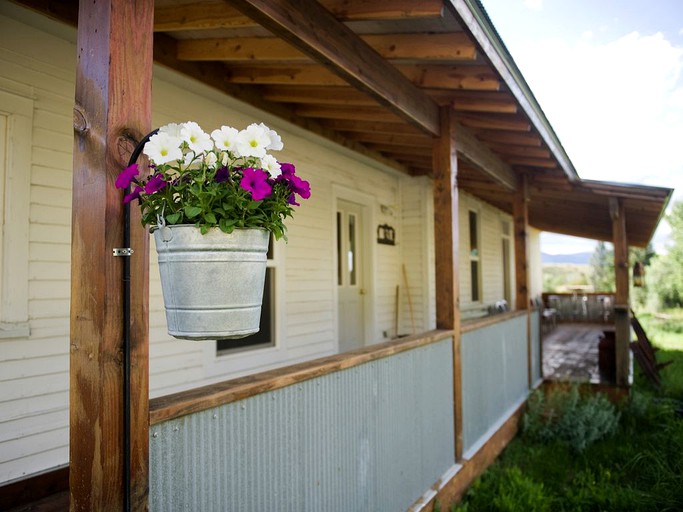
(34, 376)
(490, 255)
(39, 55)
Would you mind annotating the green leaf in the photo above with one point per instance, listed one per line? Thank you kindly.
(192, 211)
(173, 218)
(210, 218)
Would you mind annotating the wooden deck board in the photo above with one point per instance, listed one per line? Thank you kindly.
(570, 352)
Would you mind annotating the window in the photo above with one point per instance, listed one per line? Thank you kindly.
(16, 126)
(475, 259)
(266, 335)
(507, 271)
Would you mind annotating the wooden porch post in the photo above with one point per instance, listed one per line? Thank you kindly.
(445, 164)
(622, 321)
(520, 213)
(112, 111)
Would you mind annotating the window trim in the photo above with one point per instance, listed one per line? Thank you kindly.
(15, 214)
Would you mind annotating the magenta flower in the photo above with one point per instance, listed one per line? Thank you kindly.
(135, 194)
(155, 184)
(299, 186)
(256, 182)
(286, 170)
(292, 200)
(124, 179)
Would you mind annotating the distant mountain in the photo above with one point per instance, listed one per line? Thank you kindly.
(578, 258)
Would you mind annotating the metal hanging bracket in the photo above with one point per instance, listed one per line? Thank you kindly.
(123, 251)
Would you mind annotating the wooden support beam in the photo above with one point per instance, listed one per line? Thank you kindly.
(485, 160)
(445, 162)
(622, 321)
(113, 110)
(541, 163)
(521, 225)
(312, 29)
(212, 14)
(451, 47)
(520, 214)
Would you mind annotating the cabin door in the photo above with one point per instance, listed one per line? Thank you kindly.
(351, 293)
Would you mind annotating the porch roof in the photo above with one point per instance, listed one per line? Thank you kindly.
(371, 75)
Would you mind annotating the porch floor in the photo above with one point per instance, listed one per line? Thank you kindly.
(570, 353)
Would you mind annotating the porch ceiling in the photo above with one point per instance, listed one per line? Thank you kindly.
(371, 75)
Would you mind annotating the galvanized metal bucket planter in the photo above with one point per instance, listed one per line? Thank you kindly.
(213, 283)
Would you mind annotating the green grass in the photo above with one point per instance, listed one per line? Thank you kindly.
(639, 467)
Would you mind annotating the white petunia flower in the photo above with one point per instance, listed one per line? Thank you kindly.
(173, 129)
(253, 141)
(269, 164)
(192, 161)
(275, 140)
(210, 159)
(162, 148)
(226, 139)
(198, 140)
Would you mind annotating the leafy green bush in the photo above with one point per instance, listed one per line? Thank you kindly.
(506, 490)
(568, 417)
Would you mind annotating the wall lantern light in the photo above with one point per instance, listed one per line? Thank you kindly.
(386, 235)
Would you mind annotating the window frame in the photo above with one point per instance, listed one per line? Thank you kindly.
(15, 188)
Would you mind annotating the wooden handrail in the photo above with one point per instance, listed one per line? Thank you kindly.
(199, 399)
(479, 323)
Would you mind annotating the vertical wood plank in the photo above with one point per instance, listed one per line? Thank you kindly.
(622, 324)
(113, 108)
(446, 236)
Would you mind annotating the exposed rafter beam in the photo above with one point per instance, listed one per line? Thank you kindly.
(311, 28)
(473, 78)
(495, 123)
(505, 137)
(450, 47)
(485, 160)
(212, 74)
(474, 20)
(220, 14)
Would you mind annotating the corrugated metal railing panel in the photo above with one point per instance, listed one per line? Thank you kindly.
(494, 376)
(536, 362)
(373, 437)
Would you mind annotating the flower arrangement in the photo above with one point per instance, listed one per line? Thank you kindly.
(225, 180)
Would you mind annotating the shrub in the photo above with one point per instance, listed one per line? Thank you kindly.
(568, 417)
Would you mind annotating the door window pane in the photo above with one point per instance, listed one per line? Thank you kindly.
(352, 250)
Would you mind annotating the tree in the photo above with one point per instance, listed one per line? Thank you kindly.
(666, 277)
(602, 267)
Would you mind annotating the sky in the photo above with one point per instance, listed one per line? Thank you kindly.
(608, 75)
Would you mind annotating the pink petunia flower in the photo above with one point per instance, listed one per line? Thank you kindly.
(256, 182)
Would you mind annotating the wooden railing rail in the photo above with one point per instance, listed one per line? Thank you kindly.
(198, 399)
(479, 323)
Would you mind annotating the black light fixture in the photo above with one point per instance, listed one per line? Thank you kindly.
(386, 235)
(638, 274)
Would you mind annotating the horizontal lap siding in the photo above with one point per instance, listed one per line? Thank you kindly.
(416, 240)
(32, 59)
(34, 372)
(491, 252)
